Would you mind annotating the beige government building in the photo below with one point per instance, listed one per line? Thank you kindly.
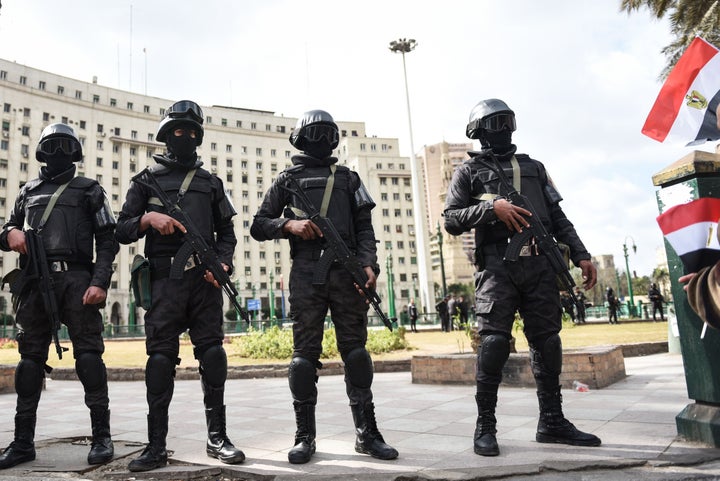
(246, 149)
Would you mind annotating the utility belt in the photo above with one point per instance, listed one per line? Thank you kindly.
(65, 266)
(160, 266)
(529, 249)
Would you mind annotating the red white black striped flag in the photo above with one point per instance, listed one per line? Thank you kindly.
(685, 109)
(691, 230)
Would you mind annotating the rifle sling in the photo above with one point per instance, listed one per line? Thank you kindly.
(51, 205)
(181, 193)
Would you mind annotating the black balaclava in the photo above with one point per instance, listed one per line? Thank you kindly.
(183, 148)
(499, 142)
(57, 163)
(320, 149)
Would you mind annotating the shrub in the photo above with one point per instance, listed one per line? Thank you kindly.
(277, 343)
(6, 343)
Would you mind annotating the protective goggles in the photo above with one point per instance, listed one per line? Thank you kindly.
(315, 133)
(498, 122)
(186, 108)
(64, 144)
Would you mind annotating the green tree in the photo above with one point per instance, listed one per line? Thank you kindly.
(688, 19)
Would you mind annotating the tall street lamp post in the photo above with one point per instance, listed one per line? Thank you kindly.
(442, 261)
(404, 46)
(391, 288)
(631, 310)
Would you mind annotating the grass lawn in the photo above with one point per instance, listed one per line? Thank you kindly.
(131, 353)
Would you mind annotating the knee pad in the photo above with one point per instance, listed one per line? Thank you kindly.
(359, 368)
(493, 353)
(29, 375)
(546, 355)
(159, 373)
(302, 377)
(213, 366)
(90, 369)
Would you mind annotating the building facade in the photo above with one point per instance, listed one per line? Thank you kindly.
(246, 148)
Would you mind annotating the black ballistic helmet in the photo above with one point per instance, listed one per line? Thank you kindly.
(60, 137)
(491, 115)
(182, 112)
(315, 126)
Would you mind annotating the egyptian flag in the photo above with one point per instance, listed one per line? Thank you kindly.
(685, 110)
(691, 230)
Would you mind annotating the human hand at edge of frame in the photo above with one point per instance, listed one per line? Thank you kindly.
(589, 274)
(685, 280)
(370, 284)
(94, 295)
(211, 279)
(16, 241)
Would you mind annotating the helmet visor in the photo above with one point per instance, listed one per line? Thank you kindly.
(186, 108)
(66, 145)
(498, 122)
(317, 132)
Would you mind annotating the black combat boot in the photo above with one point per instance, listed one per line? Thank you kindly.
(218, 445)
(101, 449)
(554, 428)
(154, 455)
(369, 440)
(305, 435)
(22, 449)
(484, 441)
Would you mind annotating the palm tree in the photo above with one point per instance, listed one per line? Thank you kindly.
(688, 19)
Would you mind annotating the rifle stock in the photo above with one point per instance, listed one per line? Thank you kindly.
(194, 244)
(337, 251)
(545, 242)
(38, 260)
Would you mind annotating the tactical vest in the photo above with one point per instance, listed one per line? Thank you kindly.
(68, 232)
(340, 206)
(196, 202)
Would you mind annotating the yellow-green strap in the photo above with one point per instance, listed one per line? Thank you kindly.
(328, 191)
(517, 176)
(51, 204)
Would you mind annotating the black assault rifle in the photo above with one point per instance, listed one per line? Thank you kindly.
(545, 242)
(38, 270)
(194, 244)
(336, 250)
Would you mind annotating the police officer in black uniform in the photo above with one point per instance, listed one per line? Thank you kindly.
(656, 298)
(193, 303)
(338, 193)
(527, 286)
(80, 216)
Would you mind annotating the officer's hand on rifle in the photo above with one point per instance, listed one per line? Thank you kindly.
(589, 274)
(511, 215)
(370, 284)
(94, 295)
(16, 241)
(162, 223)
(211, 279)
(304, 229)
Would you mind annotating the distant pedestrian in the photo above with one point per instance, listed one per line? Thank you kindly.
(656, 298)
(613, 304)
(580, 306)
(442, 310)
(413, 315)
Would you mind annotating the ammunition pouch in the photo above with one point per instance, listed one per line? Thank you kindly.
(140, 281)
(17, 280)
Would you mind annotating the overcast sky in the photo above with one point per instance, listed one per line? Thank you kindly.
(580, 76)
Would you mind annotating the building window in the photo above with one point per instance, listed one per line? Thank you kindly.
(208, 119)
(228, 163)
(213, 161)
(259, 166)
(3, 74)
(258, 151)
(100, 128)
(243, 149)
(228, 148)
(281, 129)
(129, 105)
(116, 131)
(133, 151)
(26, 112)
(362, 147)
(223, 122)
(113, 102)
(23, 167)
(115, 165)
(78, 94)
(288, 154)
(61, 90)
(23, 80)
(41, 85)
(384, 147)
(24, 150)
(98, 162)
(386, 212)
(354, 133)
(146, 109)
(133, 134)
(4, 145)
(373, 148)
(213, 146)
(64, 120)
(238, 124)
(268, 128)
(25, 130)
(383, 196)
(151, 137)
(3, 163)
(6, 108)
(253, 125)
(99, 145)
(82, 124)
(273, 153)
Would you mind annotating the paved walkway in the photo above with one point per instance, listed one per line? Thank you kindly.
(431, 426)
